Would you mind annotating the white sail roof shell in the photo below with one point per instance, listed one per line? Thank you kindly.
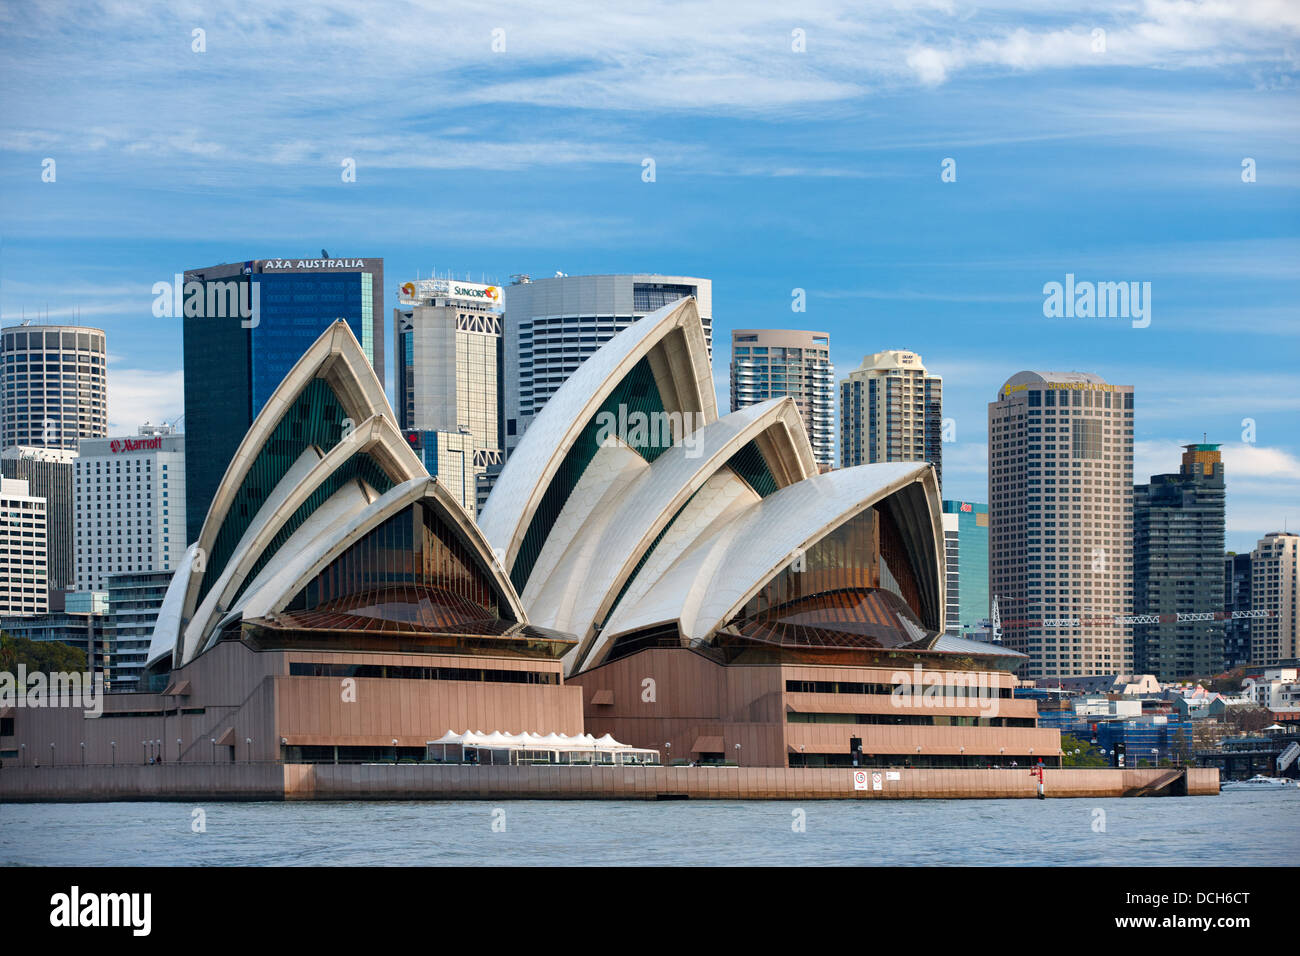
(714, 578)
(686, 385)
(623, 503)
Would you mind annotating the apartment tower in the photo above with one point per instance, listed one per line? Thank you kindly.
(773, 363)
(1275, 595)
(1178, 569)
(891, 409)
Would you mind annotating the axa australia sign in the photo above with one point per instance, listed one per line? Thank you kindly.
(314, 265)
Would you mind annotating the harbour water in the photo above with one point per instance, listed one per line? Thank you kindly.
(1232, 829)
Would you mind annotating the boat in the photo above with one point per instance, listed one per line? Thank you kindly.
(1259, 782)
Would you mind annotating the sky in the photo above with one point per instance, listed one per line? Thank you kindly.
(793, 147)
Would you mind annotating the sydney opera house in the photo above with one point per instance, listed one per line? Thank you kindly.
(645, 570)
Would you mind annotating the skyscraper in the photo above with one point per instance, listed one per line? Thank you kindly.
(772, 363)
(1061, 521)
(130, 505)
(1236, 599)
(24, 589)
(1178, 568)
(554, 325)
(952, 573)
(48, 473)
(1275, 591)
(971, 521)
(246, 324)
(53, 386)
(891, 409)
(447, 338)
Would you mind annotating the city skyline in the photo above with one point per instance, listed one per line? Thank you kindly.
(820, 170)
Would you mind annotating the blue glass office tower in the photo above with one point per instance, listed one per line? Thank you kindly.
(972, 563)
(235, 360)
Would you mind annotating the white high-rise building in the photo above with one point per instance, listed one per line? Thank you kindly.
(24, 550)
(129, 501)
(448, 343)
(773, 363)
(891, 409)
(554, 325)
(1061, 522)
(1275, 589)
(53, 386)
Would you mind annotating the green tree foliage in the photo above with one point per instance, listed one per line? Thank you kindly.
(1088, 755)
(44, 656)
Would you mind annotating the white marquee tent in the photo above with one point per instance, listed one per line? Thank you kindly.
(536, 748)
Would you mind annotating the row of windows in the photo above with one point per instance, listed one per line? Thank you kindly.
(402, 672)
(911, 720)
(858, 687)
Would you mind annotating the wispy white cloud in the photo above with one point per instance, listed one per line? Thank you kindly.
(259, 94)
(1160, 33)
(136, 396)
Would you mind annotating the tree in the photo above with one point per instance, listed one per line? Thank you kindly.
(1088, 755)
(47, 657)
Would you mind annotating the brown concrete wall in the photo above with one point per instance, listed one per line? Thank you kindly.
(416, 781)
(239, 781)
(312, 711)
(250, 695)
(695, 697)
(229, 683)
(433, 782)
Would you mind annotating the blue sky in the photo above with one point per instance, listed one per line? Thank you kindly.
(775, 169)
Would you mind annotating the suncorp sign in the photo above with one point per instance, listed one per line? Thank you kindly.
(451, 288)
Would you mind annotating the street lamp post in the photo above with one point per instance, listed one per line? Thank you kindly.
(737, 755)
(113, 745)
(83, 753)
